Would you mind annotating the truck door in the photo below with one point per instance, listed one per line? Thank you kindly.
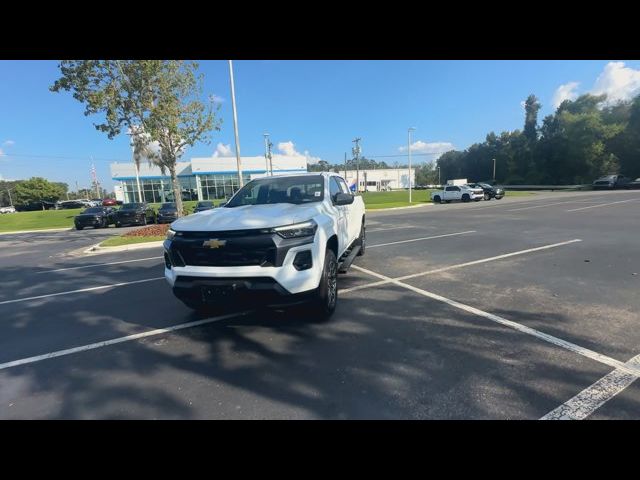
(353, 219)
(341, 216)
(453, 193)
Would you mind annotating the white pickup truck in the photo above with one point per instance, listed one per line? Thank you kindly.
(463, 193)
(278, 241)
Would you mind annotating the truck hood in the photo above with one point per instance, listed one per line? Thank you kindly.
(247, 217)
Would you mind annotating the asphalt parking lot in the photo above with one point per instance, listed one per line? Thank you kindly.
(523, 308)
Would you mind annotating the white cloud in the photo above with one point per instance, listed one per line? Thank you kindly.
(8, 143)
(564, 92)
(618, 82)
(223, 150)
(1, 152)
(217, 98)
(289, 149)
(435, 148)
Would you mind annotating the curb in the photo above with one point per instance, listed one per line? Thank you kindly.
(398, 208)
(37, 231)
(95, 249)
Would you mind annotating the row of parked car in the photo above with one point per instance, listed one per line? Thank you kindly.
(612, 182)
(131, 214)
(466, 193)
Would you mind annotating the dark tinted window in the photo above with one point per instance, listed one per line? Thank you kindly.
(168, 205)
(270, 190)
(205, 204)
(93, 210)
(132, 206)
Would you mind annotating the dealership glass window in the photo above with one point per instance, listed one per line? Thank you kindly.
(219, 186)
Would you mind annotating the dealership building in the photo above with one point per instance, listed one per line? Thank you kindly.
(207, 178)
(380, 179)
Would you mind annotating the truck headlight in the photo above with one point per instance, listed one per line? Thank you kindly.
(170, 234)
(297, 230)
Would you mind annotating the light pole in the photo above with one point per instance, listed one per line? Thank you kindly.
(409, 147)
(439, 182)
(356, 153)
(266, 152)
(494, 170)
(235, 124)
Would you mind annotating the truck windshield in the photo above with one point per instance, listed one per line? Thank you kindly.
(263, 191)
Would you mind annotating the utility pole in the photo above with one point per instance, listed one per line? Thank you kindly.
(269, 145)
(494, 170)
(266, 153)
(235, 124)
(356, 154)
(409, 146)
(345, 166)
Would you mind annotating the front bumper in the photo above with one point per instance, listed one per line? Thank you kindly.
(167, 218)
(131, 219)
(282, 271)
(88, 222)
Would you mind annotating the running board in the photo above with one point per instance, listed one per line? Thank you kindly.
(346, 263)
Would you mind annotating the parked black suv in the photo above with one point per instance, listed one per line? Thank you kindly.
(96, 217)
(611, 182)
(167, 213)
(489, 191)
(135, 214)
(202, 206)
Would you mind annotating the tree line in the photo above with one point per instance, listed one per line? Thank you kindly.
(38, 189)
(581, 141)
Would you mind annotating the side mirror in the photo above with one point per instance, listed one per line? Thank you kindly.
(343, 199)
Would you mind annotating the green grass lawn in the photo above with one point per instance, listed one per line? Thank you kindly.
(117, 241)
(38, 220)
(400, 198)
(519, 193)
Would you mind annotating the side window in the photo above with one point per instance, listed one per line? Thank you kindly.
(448, 189)
(343, 186)
(455, 189)
(334, 188)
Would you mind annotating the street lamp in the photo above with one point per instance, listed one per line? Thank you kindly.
(409, 147)
(494, 170)
(235, 124)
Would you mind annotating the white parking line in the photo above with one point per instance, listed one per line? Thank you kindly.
(91, 289)
(460, 265)
(601, 205)
(100, 264)
(593, 397)
(420, 239)
(545, 205)
(585, 352)
(128, 338)
(391, 228)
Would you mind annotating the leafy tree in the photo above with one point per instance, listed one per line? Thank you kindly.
(38, 189)
(531, 108)
(158, 102)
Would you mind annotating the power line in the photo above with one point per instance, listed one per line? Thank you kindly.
(61, 157)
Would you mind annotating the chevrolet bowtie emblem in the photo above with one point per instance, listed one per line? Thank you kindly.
(214, 243)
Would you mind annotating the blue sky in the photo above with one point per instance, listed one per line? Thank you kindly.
(319, 106)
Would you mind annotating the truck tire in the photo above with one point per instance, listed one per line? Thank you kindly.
(78, 227)
(323, 306)
(362, 240)
(437, 199)
(466, 197)
(487, 196)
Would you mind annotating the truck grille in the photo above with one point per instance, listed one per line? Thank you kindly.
(234, 249)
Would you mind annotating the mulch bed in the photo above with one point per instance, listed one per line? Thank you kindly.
(149, 231)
